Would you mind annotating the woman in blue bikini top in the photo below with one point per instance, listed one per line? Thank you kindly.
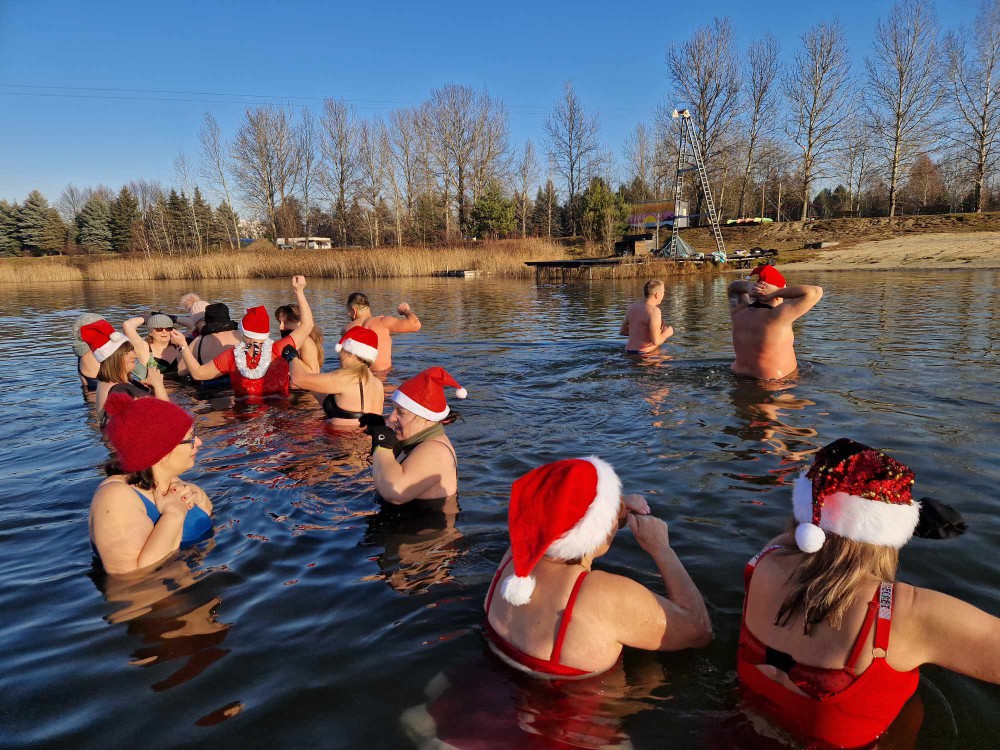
(142, 513)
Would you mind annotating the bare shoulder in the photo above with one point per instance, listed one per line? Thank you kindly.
(114, 496)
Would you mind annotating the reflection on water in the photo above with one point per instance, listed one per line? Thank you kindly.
(283, 631)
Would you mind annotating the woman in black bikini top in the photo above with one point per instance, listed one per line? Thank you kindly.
(335, 390)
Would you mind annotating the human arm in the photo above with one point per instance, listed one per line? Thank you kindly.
(141, 346)
(300, 334)
(399, 483)
(409, 323)
(739, 293)
(154, 379)
(320, 382)
(121, 529)
(939, 629)
(623, 331)
(648, 621)
(192, 495)
(182, 368)
(195, 369)
(798, 300)
(658, 330)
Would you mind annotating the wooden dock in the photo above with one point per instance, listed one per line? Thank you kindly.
(465, 273)
(580, 266)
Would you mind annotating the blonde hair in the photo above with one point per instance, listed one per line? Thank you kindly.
(826, 583)
(113, 370)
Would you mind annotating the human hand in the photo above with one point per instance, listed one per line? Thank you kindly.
(636, 504)
(172, 499)
(371, 422)
(298, 283)
(177, 339)
(383, 436)
(403, 308)
(651, 533)
(289, 353)
(154, 378)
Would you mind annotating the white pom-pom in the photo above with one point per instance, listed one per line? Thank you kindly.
(809, 537)
(461, 393)
(518, 589)
(116, 336)
(339, 347)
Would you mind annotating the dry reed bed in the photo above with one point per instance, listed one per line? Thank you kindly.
(501, 259)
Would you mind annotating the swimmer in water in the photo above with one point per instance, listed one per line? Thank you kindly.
(412, 458)
(548, 614)
(142, 512)
(643, 323)
(384, 325)
(218, 335)
(815, 650)
(117, 363)
(86, 364)
(156, 350)
(762, 313)
(311, 353)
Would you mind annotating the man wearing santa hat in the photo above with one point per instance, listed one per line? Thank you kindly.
(412, 458)
(762, 312)
(256, 366)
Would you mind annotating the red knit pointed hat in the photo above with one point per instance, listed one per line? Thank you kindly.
(769, 275)
(102, 339)
(855, 492)
(143, 430)
(361, 342)
(424, 394)
(256, 324)
(564, 510)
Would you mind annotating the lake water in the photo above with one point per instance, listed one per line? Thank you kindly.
(314, 618)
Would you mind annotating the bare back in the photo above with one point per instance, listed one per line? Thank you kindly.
(763, 341)
(207, 348)
(383, 361)
(640, 320)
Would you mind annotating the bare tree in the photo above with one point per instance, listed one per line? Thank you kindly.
(639, 156)
(182, 173)
(904, 87)
(818, 91)
(574, 144)
(339, 145)
(973, 67)
(70, 204)
(372, 167)
(310, 164)
(762, 74)
(403, 130)
(527, 176)
(857, 162)
(215, 167)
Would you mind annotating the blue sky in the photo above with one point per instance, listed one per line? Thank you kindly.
(380, 55)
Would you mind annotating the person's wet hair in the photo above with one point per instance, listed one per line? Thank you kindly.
(357, 300)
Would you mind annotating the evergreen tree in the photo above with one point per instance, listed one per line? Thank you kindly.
(124, 215)
(546, 219)
(10, 243)
(203, 217)
(33, 224)
(56, 232)
(94, 225)
(179, 221)
(604, 213)
(493, 214)
(224, 224)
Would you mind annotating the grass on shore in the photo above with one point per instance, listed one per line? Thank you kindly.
(502, 259)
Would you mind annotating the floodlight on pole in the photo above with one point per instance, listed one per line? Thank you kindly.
(681, 113)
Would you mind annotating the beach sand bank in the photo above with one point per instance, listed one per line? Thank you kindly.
(924, 251)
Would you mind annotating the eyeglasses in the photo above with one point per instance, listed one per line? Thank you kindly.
(189, 441)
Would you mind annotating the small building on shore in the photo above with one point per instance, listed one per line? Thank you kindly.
(304, 243)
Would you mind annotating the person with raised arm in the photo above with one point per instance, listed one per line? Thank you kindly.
(255, 366)
(142, 512)
(117, 362)
(412, 458)
(548, 613)
(384, 326)
(644, 324)
(311, 353)
(762, 313)
(831, 642)
(156, 350)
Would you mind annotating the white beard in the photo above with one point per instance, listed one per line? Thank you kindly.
(257, 372)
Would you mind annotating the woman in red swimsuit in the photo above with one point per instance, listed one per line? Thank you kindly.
(830, 644)
(548, 614)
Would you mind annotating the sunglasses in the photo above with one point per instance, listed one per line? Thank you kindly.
(161, 330)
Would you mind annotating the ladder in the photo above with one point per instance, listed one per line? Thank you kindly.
(690, 145)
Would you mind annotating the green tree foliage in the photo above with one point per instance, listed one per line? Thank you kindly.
(94, 225)
(493, 214)
(203, 218)
(35, 227)
(10, 242)
(179, 221)
(604, 213)
(124, 215)
(547, 215)
(223, 225)
(57, 233)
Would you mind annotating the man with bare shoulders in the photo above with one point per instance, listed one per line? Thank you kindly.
(383, 325)
(644, 324)
(762, 312)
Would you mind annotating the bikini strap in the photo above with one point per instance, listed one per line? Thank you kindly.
(884, 623)
(201, 343)
(752, 564)
(496, 580)
(361, 391)
(566, 617)
(862, 639)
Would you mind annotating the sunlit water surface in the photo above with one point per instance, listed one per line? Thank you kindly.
(315, 618)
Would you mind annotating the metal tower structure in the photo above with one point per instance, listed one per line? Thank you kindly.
(688, 151)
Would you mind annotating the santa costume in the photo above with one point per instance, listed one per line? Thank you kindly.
(255, 366)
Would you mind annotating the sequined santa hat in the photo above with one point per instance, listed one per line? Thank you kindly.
(424, 394)
(102, 339)
(361, 342)
(855, 492)
(564, 510)
(256, 324)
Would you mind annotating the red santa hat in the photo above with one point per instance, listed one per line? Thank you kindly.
(361, 342)
(769, 275)
(256, 324)
(565, 510)
(424, 394)
(855, 492)
(102, 339)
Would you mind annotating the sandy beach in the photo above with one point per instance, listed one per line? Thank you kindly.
(937, 250)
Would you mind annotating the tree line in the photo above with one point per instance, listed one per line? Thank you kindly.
(787, 137)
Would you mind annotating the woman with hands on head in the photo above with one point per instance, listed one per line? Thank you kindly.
(412, 458)
(554, 617)
(116, 363)
(142, 512)
(157, 349)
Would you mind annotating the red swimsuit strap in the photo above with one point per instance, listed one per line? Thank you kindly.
(567, 616)
(496, 579)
